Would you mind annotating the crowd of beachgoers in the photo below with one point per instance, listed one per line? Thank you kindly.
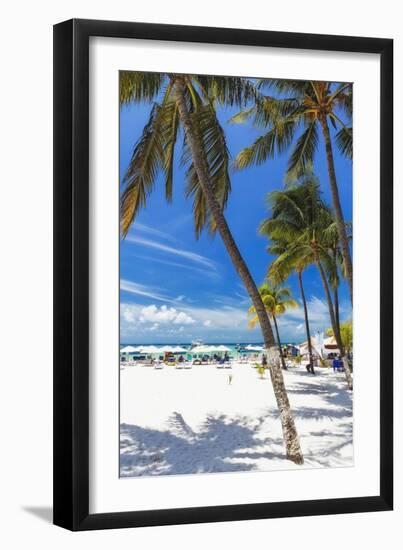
(326, 354)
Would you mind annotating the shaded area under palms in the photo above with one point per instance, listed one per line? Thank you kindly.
(227, 444)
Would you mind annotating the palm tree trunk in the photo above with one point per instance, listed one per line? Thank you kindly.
(336, 308)
(293, 449)
(341, 227)
(279, 344)
(336, 331)
(307, 329)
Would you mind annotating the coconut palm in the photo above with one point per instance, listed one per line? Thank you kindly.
(311, 104)
(279, 272)
(276, 300)
(346, 332)
(300, 218)
(187, 103)
(334, 264)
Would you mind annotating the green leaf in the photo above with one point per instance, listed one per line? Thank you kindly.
(304, 150)
(344, 141)
(139, 86)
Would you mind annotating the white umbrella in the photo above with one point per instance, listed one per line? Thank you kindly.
(201, 349)
(222, 349)
(167, 349)
(254, 348)
(149, 350)
(129, 349)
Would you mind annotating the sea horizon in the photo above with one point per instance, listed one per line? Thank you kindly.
(204, 343)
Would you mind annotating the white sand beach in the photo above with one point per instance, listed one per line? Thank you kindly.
(186, 421)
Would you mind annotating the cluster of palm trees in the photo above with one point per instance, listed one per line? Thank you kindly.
(184, 109)
(302, 231)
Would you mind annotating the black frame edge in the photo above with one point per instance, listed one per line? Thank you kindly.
(386, 274)
(71, 270)
(63, 475)
(71, 278)
(241, 512)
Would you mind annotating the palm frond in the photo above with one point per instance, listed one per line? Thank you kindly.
(242, 116)
(277, 139)
(304, 151)
(279, 229)
(344, 140)
(147, 159)
(169, 148)
(212, 139)
(342, 98)
(139, 86)
(296, 87)
(228, 90)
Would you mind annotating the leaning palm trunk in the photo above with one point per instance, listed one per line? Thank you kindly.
(308, 332)
(341, 227)
(336, 331)
(279, 344)
(293, 449)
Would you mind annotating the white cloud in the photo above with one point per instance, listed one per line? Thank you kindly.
(142, 228)
(318, 312)
(191, 256)
(164, 314)
(143, 290)
(199, 270)
(219, 323)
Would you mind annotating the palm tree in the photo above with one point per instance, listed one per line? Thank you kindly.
(300, 218)
(276, 300)
(346, 332)
(311, 104)
(334, 264)
(278, 273)
(188, 102)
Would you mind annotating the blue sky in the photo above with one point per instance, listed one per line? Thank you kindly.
(174, 288)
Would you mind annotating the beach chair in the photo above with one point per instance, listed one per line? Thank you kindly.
(338, 365)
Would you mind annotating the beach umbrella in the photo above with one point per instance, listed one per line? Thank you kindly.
(211, 349)
(129, 349)
(201, 349)
(167, 349)
(222, 349)
(150, 350)
(249, 347)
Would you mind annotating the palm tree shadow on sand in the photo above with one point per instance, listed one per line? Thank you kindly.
(222, 445)
(226, 444)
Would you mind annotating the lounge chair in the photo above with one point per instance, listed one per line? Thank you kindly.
(338, 365)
